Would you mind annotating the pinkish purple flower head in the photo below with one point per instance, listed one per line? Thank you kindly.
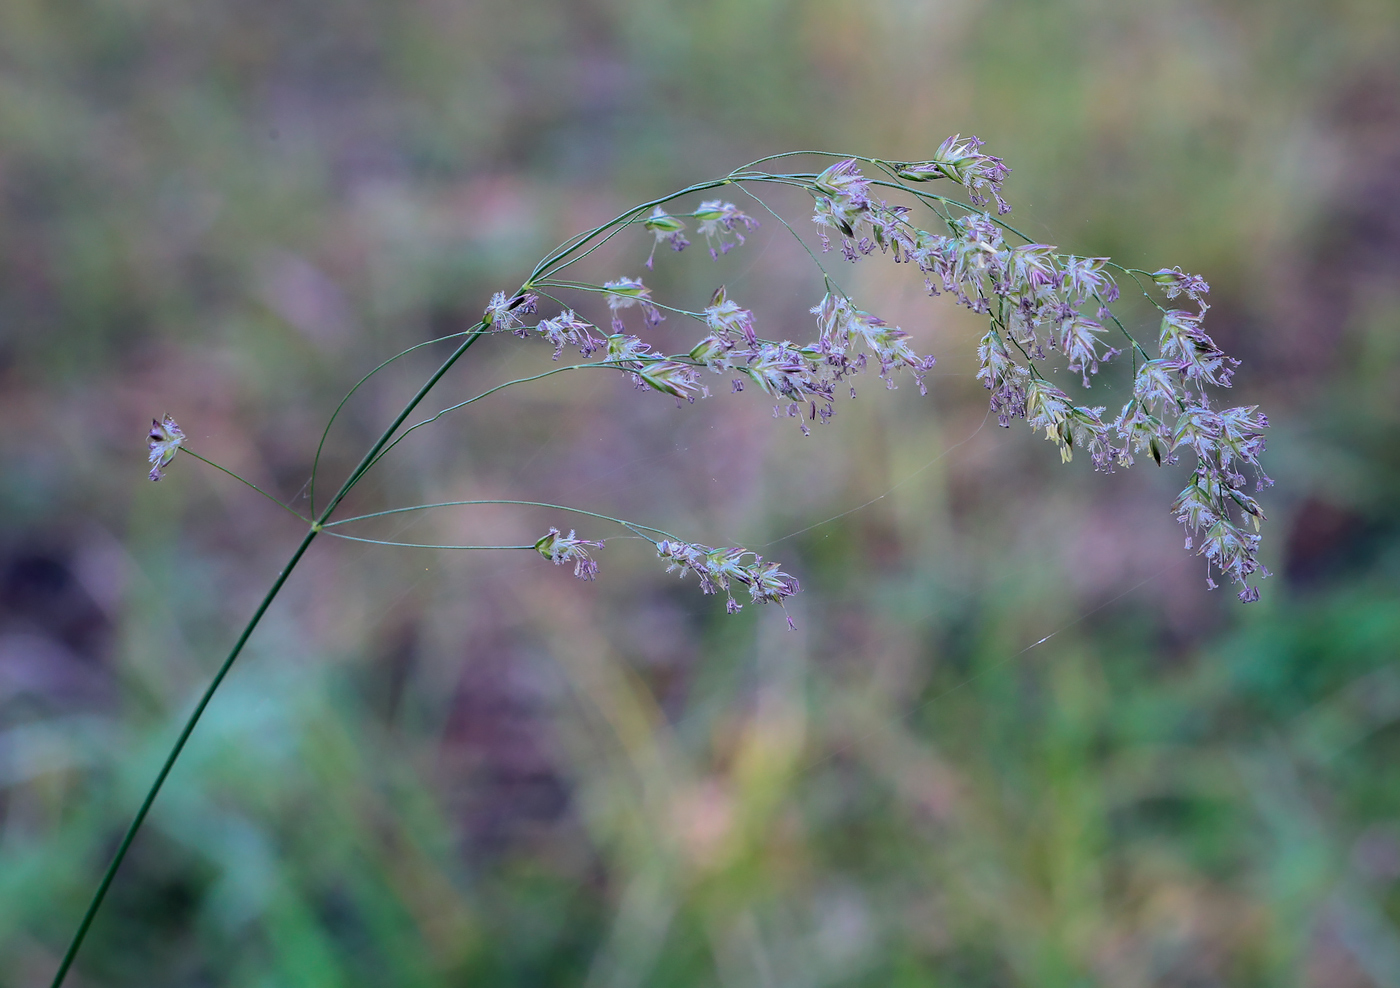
(666, 228)
(671, 377)
(726, 320)
(1031, 273)
(964, 163)
(1183, 342)
(841, 215)
(164, 441)
(505, 313)
(722, 224)
(567, 329)
(629, 351)
(1003, 377)
(1242, 433)
(627, 292)
(1078, 339)
(846, 332)
(1036, 299)
(719, 570)
(714, 352)
(841, 202)
(1065, 423)
(844, 181)
(1235, 553)
(891, 229)
(971, 264)
(650, 370)
(784, 370)
(1156, 385)
(1143, 432)
(1199, 428)
(1174, 281)
(560, 549)
(1084, 278)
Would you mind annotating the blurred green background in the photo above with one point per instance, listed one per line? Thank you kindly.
(470, 769)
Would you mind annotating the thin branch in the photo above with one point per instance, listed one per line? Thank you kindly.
(249, 483)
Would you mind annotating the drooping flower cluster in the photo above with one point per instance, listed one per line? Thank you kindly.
(720, 569)
(164, 441)
(795, 375)
(1038, 301)
(806, 374)
(560, 549)
(843, 201)
(726, 320)
(654, 370)
(1174, 281)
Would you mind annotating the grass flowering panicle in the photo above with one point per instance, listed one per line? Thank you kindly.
(964, 163)
(626, 292)
(1035, 300)
(1041, 306)
(666, 228)
(718, 570)
(726, 319)
(504, 312)
(1174, 282)
(722, 224)
(1039, 303)
(671, 377)
(560, 549)
(164, 441)
(567, 329)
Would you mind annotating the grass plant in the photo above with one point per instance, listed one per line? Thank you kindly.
(1043, 308)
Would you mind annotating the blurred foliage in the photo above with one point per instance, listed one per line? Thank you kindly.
(1014, 741)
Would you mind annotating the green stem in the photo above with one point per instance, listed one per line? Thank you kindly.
(179, 746)
(368, 460)
(555, 261)
(320, 447)
(247, 632)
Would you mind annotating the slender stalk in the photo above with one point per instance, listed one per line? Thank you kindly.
(233, 654)
(552, 263)
(178, 747)
(422, 545)
(632, 525)
(368, 460)
(295, 513)
(316, 462)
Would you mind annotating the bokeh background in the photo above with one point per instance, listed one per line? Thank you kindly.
(1014, 740)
